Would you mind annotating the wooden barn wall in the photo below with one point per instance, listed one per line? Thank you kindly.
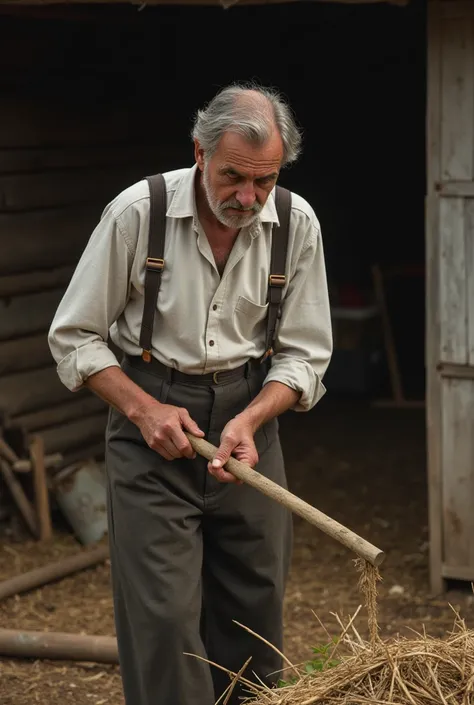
(94, 101)
(450, 294)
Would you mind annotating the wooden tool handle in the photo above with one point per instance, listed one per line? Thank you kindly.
(337, 531)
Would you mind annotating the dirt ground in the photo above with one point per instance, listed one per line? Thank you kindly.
(363, 466)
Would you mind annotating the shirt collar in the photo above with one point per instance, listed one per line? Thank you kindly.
(183, 203)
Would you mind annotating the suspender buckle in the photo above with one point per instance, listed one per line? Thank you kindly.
(156, 264)
(146, 355)
(278, 280)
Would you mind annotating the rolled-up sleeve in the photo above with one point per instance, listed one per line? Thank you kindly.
(94, 299)
(303, 343)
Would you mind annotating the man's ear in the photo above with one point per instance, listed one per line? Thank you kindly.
(199, 155)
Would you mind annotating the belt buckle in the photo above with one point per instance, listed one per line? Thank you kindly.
(215, 377)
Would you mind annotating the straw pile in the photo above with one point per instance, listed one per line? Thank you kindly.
(419, 671)
(416, 671)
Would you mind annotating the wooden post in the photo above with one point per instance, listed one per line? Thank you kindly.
(390, 349)
(41, 489)
(21, 500)
(57, 645)
(51, 572)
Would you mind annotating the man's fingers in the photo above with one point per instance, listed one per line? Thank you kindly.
(222, 475)
(181, 443)
(189, 424)
(223, 453)
(161, 450)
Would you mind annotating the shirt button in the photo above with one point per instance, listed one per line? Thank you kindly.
(214, 308)
(211, 343)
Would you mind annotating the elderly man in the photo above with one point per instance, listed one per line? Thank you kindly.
(192, 552)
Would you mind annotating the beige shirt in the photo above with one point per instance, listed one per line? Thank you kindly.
(203, 322)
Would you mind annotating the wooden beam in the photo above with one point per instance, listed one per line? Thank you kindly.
(43, 159)
(81, 405)
(43, 512)
(52, 572)
(458, 572)
(75, 434)
(390, 349)
(56, 645)
(32, 390)
(19, 497)
(28, 314)
(64, 188)
(455, 189)
(455, 371)
(50, 238)
(28, 282)
(432, 332)
(24, 354)
(215, 3)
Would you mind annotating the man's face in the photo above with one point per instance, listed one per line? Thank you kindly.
(239, 177)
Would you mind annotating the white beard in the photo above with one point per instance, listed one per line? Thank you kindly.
(249, 215)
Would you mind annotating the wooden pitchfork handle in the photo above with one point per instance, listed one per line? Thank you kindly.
(251, 477)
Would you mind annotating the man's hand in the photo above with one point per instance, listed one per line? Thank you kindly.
(162, 426)
(236, 440)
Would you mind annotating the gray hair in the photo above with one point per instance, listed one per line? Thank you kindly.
(251, 111)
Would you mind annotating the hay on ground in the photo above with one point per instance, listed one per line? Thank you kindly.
(403, 671)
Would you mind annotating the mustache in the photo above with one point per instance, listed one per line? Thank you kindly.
(234, 203)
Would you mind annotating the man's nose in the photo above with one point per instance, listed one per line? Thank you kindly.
(246, 196)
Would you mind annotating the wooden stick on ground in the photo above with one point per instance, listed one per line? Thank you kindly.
(57, 645)
(41, 489)
(21, 500)
(53, 571)
(337, 531)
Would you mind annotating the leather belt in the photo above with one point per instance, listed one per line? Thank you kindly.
(210, 379)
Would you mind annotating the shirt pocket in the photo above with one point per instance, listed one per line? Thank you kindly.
(249, 318)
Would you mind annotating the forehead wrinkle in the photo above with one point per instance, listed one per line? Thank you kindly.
(236, 158)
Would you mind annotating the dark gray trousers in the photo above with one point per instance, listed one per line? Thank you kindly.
(190, 555)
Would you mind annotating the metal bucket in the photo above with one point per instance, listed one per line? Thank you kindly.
(81, 495)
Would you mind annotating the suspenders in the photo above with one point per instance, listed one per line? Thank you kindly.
(155, 262)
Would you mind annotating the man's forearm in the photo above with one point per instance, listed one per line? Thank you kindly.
(113, 386)
(274, 399)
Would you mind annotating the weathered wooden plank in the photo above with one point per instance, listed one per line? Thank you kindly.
(31, 390)
(96, 156)
(26, 353)
(80, 406)
(41, 280)
(457, 154)
(64, 188)
(28, 314)
(456, 371)
(41, 239)
(458, 572)
(36, 123)
(453, 301)
(458, 471)
(433, 393)
(75, 434)
(456, 189)
(432, 295)
(469, 239)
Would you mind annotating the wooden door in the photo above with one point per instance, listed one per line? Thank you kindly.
(450, 290)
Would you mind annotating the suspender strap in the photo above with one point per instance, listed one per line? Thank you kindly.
(155, 262)
(277, 278)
